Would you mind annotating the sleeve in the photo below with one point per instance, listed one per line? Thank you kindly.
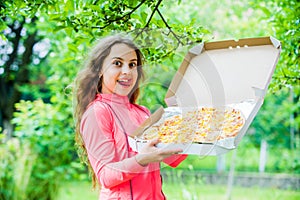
(175, 160)
(96, 130)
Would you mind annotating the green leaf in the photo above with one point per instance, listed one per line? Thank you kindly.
(144, 17)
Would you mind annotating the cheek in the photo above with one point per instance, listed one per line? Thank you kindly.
(110, 75)
(109, 81)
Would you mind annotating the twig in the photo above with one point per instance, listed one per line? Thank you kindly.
(149, 20)
(121, 17)
(170, 29)
(289, 77)
(155, 9)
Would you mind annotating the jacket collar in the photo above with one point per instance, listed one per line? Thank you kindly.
(113, 98)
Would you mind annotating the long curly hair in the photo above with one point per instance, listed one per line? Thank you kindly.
(88, 84)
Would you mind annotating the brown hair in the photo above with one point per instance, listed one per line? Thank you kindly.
(88, 83)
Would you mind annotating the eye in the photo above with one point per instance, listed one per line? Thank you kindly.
(117, 63)
(132, 65)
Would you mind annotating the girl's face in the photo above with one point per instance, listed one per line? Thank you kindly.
(119, 70)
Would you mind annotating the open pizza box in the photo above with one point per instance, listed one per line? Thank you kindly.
(229, 73)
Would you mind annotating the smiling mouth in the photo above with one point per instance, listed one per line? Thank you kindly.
(125, 82)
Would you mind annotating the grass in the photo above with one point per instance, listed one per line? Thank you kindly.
(77, 191)
(207, 192)
(285, 163)
(177, 189)
(191, 191)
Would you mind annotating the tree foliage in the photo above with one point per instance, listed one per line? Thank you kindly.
(284, 23)
(63, 31)
(25, 24)
(44, 43)
(284, 19)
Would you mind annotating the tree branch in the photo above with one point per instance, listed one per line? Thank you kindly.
(121, 17)
(170, 29)
(289, 77)
(13, 56)
(149, 20)
(296, 78)
(154, 10)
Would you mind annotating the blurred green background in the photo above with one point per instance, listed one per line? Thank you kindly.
(43, 44)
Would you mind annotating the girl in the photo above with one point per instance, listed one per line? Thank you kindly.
(106, 113)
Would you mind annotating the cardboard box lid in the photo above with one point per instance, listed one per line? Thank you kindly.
(224, 72)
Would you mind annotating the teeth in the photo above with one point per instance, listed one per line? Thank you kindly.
(124, 80)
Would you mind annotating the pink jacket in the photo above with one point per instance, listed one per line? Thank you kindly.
(106, 146)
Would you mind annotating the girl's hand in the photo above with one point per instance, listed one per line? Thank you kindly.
(150, 153)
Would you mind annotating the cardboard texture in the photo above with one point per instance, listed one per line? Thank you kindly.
(231, 73)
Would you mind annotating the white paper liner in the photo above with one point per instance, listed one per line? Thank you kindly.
(244, 107)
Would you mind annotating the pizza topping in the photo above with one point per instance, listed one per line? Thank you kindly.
(201, 125)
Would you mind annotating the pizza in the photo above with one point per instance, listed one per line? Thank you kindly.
(198, 125)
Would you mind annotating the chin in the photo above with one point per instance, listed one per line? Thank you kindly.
(122, 93)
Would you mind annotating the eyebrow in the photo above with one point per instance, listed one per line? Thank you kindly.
(119, 58)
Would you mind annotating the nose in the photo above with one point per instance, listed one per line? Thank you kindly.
(126, 69)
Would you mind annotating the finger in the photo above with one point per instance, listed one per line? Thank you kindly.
(154, 142)
(171, 151)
